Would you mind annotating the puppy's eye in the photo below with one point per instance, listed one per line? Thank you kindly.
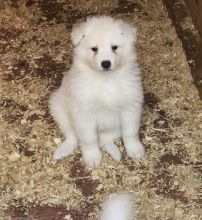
(114, 47)
(94, 49)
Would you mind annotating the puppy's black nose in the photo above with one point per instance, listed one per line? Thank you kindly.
(106, 64)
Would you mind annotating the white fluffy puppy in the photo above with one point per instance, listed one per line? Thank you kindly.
(101, 96)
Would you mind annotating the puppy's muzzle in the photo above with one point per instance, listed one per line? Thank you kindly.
(106, 64)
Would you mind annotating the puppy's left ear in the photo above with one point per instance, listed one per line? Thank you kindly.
(129, 31)
(78, 32)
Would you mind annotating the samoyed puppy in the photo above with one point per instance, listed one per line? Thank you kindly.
(100, 98)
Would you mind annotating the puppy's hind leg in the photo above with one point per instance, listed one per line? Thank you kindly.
(59, 114)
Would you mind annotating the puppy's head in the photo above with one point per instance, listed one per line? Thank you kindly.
(103, 44)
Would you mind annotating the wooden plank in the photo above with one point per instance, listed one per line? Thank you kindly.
(195, 8)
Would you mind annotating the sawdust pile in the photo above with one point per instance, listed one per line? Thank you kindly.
(35, 50)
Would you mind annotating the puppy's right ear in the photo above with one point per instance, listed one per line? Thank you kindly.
(78, 32)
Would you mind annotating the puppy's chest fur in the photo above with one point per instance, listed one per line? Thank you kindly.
(106, 103)
(101, 93)
(111, 95)
(107, 95)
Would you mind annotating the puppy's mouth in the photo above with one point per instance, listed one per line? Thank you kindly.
(106, 70)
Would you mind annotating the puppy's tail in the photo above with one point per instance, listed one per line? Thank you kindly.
(119, 206)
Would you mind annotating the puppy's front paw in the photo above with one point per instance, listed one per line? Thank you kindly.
(113, 151)
(63, 150)
(134, 149)
(92, 157)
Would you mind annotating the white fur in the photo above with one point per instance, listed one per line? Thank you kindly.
(119, 207)
(93, 106)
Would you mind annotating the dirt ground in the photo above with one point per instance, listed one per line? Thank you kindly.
(35, 50)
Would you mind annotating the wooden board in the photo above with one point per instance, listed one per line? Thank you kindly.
(195, 8)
